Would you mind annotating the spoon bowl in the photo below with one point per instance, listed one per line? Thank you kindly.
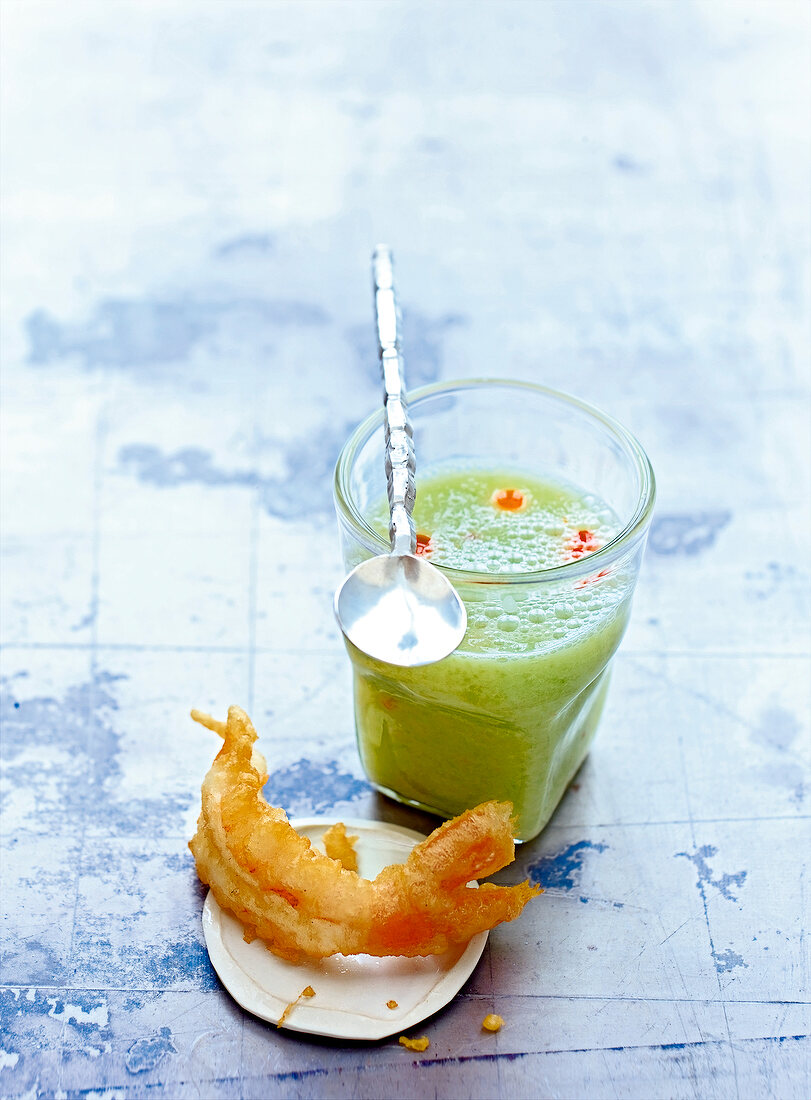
(400, 609)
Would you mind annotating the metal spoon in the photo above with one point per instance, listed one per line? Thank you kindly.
(397, 607)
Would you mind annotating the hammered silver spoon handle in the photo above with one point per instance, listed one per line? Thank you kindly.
(400, 458)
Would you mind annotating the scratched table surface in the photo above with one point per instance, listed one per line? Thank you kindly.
(607, 198)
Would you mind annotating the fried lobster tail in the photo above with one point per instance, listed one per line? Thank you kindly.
(305, 904)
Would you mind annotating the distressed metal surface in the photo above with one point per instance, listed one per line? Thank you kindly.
(609, 198)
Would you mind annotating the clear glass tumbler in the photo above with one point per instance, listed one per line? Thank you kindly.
(509, 715)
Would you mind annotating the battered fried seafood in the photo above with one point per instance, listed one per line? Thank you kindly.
(305, 904)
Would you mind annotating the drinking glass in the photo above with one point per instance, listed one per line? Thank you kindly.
(512, 712)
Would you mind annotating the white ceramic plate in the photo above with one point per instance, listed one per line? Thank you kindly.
(351, 991)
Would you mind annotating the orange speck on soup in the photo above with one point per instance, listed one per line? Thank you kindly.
(509, 500)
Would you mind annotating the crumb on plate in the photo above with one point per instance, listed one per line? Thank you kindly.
(308, 991)
(339, 846)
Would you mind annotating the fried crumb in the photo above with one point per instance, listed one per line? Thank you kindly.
(415, 1044)
(339, 846)
(492, 1022)
(391, 1004)
(308, 991)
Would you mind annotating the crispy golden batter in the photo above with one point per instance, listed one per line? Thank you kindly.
(339, 846)
(308, 991)
(492, 1022)
(305, 904)
(419, 1045)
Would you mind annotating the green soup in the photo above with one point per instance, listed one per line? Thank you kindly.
(510, 715)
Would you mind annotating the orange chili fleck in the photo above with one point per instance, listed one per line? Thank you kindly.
(584, 542)
(510, 500)
(594, 579)
(424, 547)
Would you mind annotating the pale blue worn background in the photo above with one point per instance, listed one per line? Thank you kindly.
(607, 197)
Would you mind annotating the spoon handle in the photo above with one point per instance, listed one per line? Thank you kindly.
(400, 458)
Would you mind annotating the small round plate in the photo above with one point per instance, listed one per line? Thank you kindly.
(351, 991)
